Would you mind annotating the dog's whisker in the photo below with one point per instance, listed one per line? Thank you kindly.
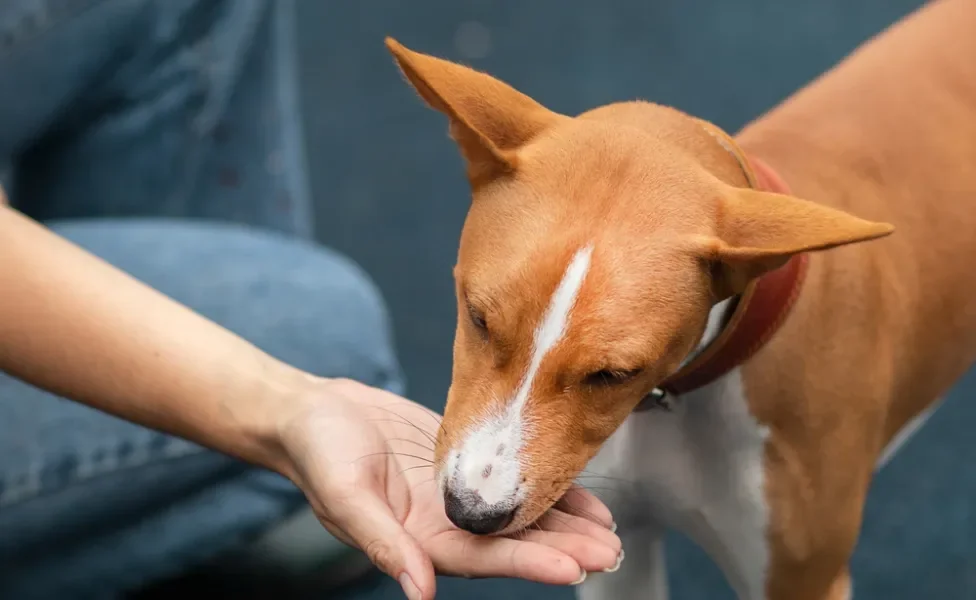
(404, 421)
(392, 453)
(414, 442)
(414, 467)
(550, 514)
(423, 409)
(588, 475)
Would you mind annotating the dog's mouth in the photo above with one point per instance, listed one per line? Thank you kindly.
(473, 503)
(511, 524)
(532, 512)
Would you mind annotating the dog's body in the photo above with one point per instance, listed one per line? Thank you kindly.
(767, 467)
(879, 333)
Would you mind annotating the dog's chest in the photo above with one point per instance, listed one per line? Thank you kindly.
(699, 469)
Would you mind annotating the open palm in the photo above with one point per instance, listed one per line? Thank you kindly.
(364, 459)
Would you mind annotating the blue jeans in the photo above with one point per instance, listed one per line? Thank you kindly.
(163, 136)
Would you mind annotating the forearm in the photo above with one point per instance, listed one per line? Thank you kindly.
(76, 326)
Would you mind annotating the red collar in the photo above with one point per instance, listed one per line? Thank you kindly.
(760, 309)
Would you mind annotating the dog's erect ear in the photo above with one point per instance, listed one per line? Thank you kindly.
(489, 119)
(760, 231)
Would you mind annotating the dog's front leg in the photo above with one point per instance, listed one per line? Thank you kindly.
(641, 575)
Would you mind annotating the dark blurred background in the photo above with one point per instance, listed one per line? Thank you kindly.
(390, 193)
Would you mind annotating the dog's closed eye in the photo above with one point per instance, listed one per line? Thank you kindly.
(606, 377)
(478, 320)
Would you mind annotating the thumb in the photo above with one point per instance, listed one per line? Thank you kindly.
(373, 527)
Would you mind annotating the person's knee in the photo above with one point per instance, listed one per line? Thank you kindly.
(302, 303)
(332, 320)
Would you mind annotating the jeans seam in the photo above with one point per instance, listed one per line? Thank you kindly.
(289, 104)
(32, 488)
(218, 93)
(20, 34)
(210, 114)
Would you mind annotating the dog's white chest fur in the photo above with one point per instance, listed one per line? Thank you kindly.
(697, 469)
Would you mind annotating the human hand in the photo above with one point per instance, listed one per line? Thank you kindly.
(364, 458)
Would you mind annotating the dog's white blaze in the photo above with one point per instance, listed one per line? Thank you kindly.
(554, 322)
(487, 460)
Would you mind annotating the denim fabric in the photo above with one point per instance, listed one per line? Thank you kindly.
(176, 108)
(163, 136)
(89, 503)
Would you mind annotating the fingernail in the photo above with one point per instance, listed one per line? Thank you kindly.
(409, 588)
(613, 527)
(614, 568)
(581, 579)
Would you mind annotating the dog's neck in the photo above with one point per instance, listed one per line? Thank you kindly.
(718, 316)
(738, 326)
(718, 319)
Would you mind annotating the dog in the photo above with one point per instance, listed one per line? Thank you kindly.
(745, 327)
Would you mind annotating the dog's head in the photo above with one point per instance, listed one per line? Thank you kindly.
(593, 250)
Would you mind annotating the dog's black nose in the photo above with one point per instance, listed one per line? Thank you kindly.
(470, 513)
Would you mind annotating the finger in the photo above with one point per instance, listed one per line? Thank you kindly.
(372, 526)
(589, 554)
(461, 554)
(581, 502)
(560, 522)
(336, 531)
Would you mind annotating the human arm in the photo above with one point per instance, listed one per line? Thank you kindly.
(76, 326)
(340, 442)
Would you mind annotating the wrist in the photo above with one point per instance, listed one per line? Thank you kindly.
(282, 394)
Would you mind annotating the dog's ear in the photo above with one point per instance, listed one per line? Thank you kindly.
(760, 231)
(489, 119)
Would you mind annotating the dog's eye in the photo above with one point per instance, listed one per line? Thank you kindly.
(477, 319)
(611, 376)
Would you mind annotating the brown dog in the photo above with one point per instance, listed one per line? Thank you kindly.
(636, 257)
